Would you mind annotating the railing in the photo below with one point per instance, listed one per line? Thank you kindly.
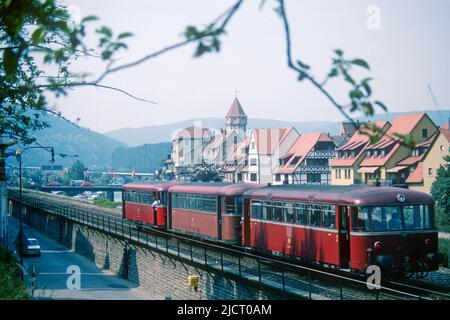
(315, 169)
(386, 183)
(321, 154)
(289, 278)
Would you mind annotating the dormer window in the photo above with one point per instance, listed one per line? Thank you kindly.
(424, 133)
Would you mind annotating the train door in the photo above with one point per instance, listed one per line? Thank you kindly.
(344, 237)
(246, 223)
(219, 217)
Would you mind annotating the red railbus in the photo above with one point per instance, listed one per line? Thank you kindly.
(208, 210)
(137, 200)
(345, 227)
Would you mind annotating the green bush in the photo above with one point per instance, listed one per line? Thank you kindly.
(105, 203)
(11, 286)
(444, 245)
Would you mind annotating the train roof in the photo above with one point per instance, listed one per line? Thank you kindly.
(150, 185)
(216, 188)
(356, 195)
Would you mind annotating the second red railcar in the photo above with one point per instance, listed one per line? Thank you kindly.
(208, 210)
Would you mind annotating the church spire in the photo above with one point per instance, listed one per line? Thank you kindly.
(236, 119)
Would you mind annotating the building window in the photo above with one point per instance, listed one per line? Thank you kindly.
(424, 133)
(347, 173)
(253, 177)
(278, 177)
(253, 145)
(313, 178)
(338, 173)
(430, 171)
(253, 162)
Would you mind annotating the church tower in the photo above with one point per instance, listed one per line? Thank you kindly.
(236, 119)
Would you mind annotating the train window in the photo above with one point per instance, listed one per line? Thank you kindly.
(301, 214)
(198, 202)
(256, 210)
(314, 215)
(361, 220)
(277, 213)
(233, 205)
(289, 213)
(266, 212)
(329, 217)
(386, 218)
(417, 217)
(163, 198)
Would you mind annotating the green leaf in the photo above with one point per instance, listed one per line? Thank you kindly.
(89, 18)
(374, 138)
(302, 65)
(38, 35)
(347, 76)
(10, 61)
(356, 94)
(106, 31)
(409, 141)
(333, 73)
(361, 63)
(365, 84)
(381, 105)
(124, 35)
(191, 32)
(302, 76)
(367, 108)
(339, 52)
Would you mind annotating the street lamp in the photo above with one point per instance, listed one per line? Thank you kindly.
(19, 154)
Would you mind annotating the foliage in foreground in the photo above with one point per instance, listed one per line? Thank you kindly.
(440, 189)
(11, 286)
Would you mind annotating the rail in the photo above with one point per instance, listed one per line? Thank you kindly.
(287, 277)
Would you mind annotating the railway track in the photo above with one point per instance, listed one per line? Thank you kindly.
(294, 278)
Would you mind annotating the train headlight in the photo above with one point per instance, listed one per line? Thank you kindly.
(427, 241)
(377, 245)
(401, 197)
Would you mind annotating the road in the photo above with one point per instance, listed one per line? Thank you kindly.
(57, 273)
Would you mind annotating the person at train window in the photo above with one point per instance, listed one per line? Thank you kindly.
(378, 219)
(155, 204)
(395, 222)
(361, 220)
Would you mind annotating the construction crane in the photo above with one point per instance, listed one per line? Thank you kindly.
(436, 105)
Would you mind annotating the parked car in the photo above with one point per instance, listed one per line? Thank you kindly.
(31, 247)
(86, 184)
(54, 184)
(76, 183)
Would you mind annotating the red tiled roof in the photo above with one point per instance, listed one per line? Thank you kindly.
(446, 134)
(411, 160)
(194, 133)
(300, 149)
(361, 137)
(268, 139)
(416, 176)
(403, 124)
(236, 109)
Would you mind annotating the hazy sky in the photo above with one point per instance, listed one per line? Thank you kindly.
(408, 52)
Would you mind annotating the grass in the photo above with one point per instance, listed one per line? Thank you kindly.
(105, 203)
(11, 286)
